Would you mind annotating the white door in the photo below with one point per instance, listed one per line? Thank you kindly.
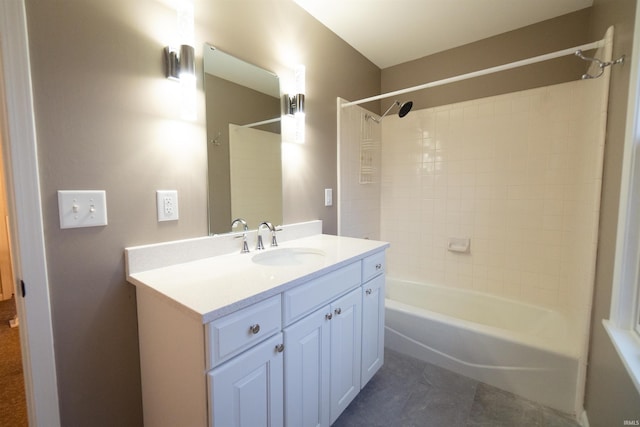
(372, 327)
(27, 233)
(306, 370)
(345, 351)
(247, 390)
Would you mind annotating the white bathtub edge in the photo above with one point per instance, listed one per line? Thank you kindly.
(554, 386)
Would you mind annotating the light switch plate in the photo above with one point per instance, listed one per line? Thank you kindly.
(82, 208)
(167, 201)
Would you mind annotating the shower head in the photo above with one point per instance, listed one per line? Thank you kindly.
(405, 107)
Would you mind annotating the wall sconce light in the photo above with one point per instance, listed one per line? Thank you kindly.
(179, 64)
(295, 103)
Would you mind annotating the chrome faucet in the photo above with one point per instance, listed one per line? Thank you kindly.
(274, 241)
(245, 246)
(260, 246)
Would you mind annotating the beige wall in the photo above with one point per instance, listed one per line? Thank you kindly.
(107, 119)
(610, 397)
(544, 37)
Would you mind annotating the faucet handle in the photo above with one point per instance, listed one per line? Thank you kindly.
(274, 241)
(245, 245)
(273, 230)
(260, 245)
(245, 228)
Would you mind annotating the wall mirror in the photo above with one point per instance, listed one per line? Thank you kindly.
(243, 108)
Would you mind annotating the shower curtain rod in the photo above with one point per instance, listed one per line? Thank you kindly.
(491, 70)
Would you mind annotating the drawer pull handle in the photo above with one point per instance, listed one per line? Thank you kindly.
(368, 291)
(254, 329)
(328, 316)
(378, 266)
(280, 348)
(338, 310)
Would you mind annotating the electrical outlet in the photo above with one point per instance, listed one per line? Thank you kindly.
(328, 197)
(167, 201)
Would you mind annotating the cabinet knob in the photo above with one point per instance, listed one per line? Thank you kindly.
(280, 348)
(378, 266)
(254, 329)
(338, 310)
(368, 291)
(328, 316)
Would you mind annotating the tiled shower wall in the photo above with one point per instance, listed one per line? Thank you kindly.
(517, 174)
(359, 150)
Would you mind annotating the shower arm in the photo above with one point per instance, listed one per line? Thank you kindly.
(378, 120)
(389, 109)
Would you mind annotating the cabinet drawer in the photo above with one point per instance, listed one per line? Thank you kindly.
(238, 331)
(373, 265)
(309, 296)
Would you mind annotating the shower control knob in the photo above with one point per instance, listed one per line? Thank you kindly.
(254, 329)
(338, 310)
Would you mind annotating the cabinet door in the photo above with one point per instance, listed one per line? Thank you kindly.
(247, 391)
(345, 351)
(306, 370)
(372, 327)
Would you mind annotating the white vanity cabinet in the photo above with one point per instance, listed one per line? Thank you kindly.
(246, 387)
(293, 354)
(373, 292)
(346, 339)
(322, 362)
(247, 391)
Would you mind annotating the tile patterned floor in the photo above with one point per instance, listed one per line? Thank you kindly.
(407, 392)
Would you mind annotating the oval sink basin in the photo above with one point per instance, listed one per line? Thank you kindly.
(288, 256)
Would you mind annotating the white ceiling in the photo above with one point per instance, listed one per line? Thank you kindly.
(390, 32)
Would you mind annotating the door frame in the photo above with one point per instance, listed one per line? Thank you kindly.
(25, 210)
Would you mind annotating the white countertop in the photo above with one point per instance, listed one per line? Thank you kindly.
(218, 285)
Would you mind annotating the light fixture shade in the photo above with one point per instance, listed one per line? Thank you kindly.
(187, 61)
(180, 62)
(171, 63)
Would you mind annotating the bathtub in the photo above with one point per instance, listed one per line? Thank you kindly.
(528, 350)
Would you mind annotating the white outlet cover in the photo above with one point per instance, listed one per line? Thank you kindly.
(328, 197)
(82, 208)
(167, 202)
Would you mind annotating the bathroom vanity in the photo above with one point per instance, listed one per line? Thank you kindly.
(284, 336)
